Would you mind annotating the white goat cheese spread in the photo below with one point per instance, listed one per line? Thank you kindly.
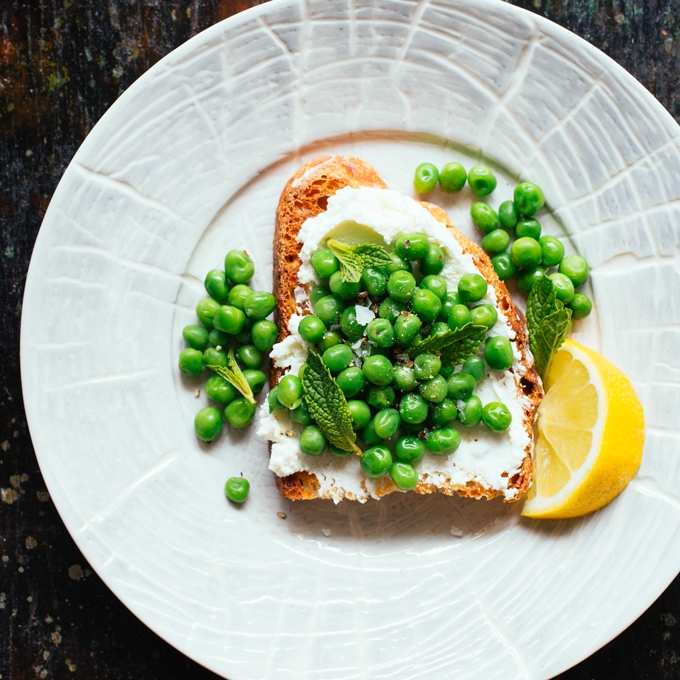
(483, 456)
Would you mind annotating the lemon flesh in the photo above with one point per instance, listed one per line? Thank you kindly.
(590, 436)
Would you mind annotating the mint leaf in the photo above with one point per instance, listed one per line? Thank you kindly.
(453, 347)
(353, 259)
(327, 404)
(548, 322)
(233, 374)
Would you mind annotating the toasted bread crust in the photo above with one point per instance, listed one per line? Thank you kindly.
(306, 195)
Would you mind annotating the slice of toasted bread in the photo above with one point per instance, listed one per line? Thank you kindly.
(306, 195)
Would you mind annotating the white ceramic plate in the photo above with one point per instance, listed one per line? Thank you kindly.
(188, 164)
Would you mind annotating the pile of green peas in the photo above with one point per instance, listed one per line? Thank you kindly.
(400, 407)
(234, 316)
(530, 256)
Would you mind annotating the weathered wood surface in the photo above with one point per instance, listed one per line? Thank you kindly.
(62, 64)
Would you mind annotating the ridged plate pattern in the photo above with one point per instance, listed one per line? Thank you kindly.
(189, 163)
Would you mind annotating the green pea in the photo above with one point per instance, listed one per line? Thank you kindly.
(381, 397)
(378, 370)
(435, 284)
(191, 362)
(576, 268)
(330, 339)
(215, 357)
(503, 266)
(529, 198)
(205, 311)
(426, 178)
(368, 435)
(527, 278)
(345, 290)
(484, 217)
(317, 293)
(405, 378)
(452, 177)
(398, 264)
(406, 327)
(412, 246)
(552, 250)
(434, 390)
(472, 288)
(240, 412)
(474, 366)
(526, 252)
(361, 413)
(508, 215)
(413, 409)
(564, 288)
(409, 449)
(196, 336)
(238, 266)
(229, 319)
(349, 325)
(529, 227)
(449, 301)
(264, 335)
(404, 476)
(443, 413)
(380, 332)
(351, 381)
(208, 424)
(401, 286)
(460, 386)
(250, 356)
(470, 413)
(391, 310)
(580, 306)
(484, 315)
(329, 309)
(374, 280)
(219, 390)
(216, 285)
(386, 423)
(496, 416)
(311, 329)
(498, 353)
(426, 305)
(273, 400)
(336, 451)
(237, 489)
(238, 295)
(426, 365)
(496, 241)
(481, 180)
(447, 371)
(256, 379)
(459, 317)
(433, 262)
(259, 304)
(438, 328)
(444, 441)
(376, 461)
(301, 414)
(324, 263)
(219, 338)
(337, 357)
(290, 391)
(312, 441)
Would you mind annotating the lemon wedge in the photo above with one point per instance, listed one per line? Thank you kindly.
(590, 435)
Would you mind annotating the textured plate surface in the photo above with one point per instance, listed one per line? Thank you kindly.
(189, 163)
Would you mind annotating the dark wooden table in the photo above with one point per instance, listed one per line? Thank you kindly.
(62, 64)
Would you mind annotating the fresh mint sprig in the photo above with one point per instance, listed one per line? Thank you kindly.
(353, 259)
(548, 322)
(233, 374)
(327, 404)
(454, 347)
